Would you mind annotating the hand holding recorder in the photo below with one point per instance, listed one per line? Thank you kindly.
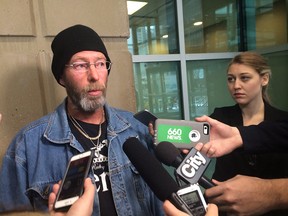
(171, 210)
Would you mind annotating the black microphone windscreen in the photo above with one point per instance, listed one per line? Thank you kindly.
(151, 170)
(168, 154)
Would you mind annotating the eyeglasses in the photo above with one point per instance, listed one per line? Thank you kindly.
(83, 67)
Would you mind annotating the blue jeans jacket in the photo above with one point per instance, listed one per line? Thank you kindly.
(38, 155)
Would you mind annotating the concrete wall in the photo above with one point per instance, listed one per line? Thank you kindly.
(27, 87)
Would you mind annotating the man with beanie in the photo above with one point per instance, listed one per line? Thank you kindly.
(38, 156)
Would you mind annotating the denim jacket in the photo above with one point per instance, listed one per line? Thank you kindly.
(38, 155)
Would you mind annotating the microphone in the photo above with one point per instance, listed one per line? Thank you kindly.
(154, 174)
(190, 169)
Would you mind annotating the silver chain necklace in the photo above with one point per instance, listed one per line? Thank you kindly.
(82, 131)
(85, 134)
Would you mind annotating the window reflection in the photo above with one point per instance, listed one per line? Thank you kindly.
(153, 29)
(210, 28)
(266, 23)
(218, 31)
(158, 88)
(207, 87)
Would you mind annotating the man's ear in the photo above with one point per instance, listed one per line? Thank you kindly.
(62, 82)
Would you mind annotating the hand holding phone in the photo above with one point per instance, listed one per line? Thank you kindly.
(182, 134)
(71, 187)
(145, 117)
(82, 207)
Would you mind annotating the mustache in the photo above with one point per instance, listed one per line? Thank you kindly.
(95, 87)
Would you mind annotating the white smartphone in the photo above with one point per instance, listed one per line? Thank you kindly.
(194, 199)
(71, 187)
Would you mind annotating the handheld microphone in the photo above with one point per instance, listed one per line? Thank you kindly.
(190, 169)
(154, 174)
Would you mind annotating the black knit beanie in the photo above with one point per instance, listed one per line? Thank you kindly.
(74, 39)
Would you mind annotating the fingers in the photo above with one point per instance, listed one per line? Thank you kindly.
(201, 118)
(89, 188)
(212, 210)
(213, 193)
(171, 210)
(0, 117)
(185, 151)
(205, 118)
(151, 129)
(55, 188)
(211, 151)
(51, 201)
(199, 146)
(52, 196)
(168, 207)
(206, 149)
(216, 182)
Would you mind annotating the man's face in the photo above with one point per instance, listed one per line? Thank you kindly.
(86, 86)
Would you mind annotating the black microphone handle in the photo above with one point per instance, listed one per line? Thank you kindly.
(152, 171)
(205, 182)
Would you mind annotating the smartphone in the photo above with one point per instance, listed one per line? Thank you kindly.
(72, 184)
(145, 117)
(182, 134)
(194, 199)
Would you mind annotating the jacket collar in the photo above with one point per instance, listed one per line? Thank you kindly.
(58, 130)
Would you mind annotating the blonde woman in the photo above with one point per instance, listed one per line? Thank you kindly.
(248, 77)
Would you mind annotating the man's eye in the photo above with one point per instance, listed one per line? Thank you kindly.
(79, 66)
(100, 64)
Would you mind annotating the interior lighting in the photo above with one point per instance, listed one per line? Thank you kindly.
(134, 6)
(198, 23)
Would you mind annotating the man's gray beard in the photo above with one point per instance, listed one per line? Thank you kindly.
(84, 102)
(88, 105)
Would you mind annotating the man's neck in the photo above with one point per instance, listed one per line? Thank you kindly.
(96, 117)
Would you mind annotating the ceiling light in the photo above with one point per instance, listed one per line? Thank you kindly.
(134, 6)
(198, 23)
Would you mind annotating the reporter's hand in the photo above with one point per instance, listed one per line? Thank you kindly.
(151, 129)
(245, 195)
(212, 210)
(82, 207)
(171, 210)
(223, 138)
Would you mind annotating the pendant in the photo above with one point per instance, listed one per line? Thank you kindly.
(96, 153)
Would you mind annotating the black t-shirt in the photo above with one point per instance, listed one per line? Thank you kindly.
(99, 165)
